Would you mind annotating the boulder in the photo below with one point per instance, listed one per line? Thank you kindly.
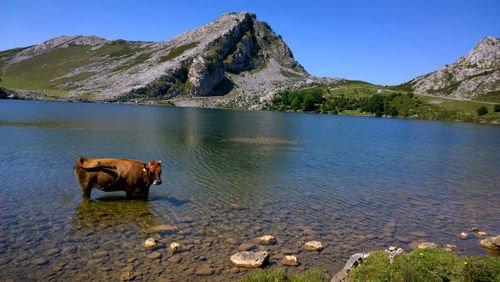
(290, 260)
(313, 246)
(492, 243)
(427, 245)
(463, 235)
(151, 243)
(267, 239)
(248, 259)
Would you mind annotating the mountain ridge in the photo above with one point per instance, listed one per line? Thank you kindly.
(234, 61)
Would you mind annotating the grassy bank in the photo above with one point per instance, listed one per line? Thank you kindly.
(365, 99)
(420, 265)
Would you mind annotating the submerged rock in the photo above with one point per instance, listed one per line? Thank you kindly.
(482, 234)
(427, 245)
(452, 247)
(267, 239)
(290, 260)
(160, 228)
(492, 243)
(463, 235)
(250, 259)
(313, 246)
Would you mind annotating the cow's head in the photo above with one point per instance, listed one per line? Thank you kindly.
(154, 169)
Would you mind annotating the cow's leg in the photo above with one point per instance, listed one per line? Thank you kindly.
(86, 191)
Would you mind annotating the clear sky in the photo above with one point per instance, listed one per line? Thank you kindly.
(384, 42)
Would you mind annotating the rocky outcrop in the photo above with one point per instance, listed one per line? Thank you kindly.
(472, 76)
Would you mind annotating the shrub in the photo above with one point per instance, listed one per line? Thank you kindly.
(496, 108)
(482, 269)
(482, 111)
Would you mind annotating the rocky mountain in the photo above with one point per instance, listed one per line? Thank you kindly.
(234, 61)
(473, 76)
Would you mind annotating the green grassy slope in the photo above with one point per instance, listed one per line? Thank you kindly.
(362, 98)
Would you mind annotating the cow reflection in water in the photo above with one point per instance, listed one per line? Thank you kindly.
(114, 213)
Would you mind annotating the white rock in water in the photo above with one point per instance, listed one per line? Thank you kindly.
(464, 235)
(151, 243)
(267, 239)
(174, 247)
(250, 259)
(313, 246)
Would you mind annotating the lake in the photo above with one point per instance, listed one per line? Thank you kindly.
(355, 184)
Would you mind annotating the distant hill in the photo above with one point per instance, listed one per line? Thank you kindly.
(235, 57)
(474, 76)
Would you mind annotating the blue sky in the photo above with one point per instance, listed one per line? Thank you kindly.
(383, 42)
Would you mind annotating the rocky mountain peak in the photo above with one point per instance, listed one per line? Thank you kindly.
(470, 77)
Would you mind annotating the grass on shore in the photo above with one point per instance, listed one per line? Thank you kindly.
(271, 275)
(426, 265)
(420, 265)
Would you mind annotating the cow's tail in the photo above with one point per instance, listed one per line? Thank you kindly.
(79, 163)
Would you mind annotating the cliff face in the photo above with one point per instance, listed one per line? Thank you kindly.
(235, 54)
(470, 77)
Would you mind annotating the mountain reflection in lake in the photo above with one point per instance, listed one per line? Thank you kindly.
(355, 184)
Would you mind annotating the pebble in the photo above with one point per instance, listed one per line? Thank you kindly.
(151, 243)
(205, 270)
(463, 235)
(40, 261)
(267, 239)
(313, 246)
(174, 247)
(482, 234)
(290, 260)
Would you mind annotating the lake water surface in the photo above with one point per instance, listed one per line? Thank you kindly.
(353, 183)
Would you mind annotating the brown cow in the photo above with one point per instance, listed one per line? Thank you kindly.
(109, 175)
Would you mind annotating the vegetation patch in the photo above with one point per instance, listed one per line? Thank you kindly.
(176, 52)
(135, 61)
(289, 74)
(41, 72)
(271, 275)
(362, 98)
(426, 265)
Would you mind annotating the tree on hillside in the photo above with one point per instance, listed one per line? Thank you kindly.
(482, 111)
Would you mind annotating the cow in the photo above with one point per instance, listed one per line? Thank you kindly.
(131, 176)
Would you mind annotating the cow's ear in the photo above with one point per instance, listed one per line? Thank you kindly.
(159, 161)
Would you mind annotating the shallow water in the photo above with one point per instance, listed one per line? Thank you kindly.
(354, 183)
